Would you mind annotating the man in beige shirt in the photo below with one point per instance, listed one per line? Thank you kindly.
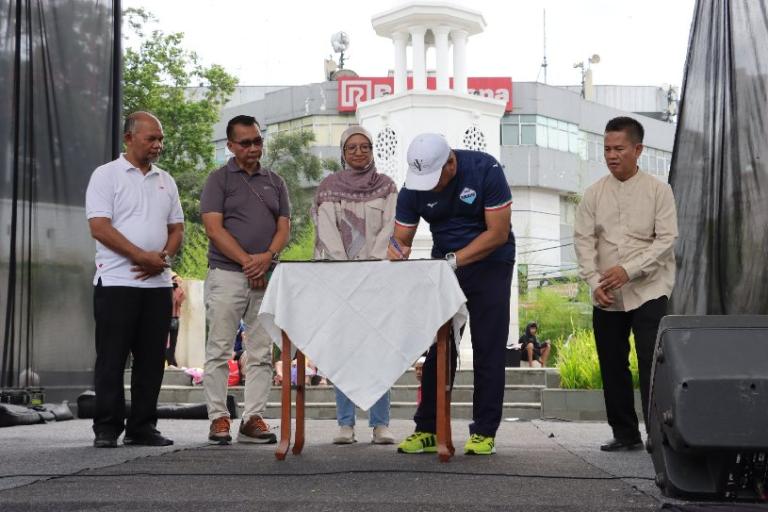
(626, 226)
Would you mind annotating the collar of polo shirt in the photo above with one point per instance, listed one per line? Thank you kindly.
(233, 167)
(127, 166)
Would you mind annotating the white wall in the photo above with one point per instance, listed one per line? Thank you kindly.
(190, 347)
(536, 223)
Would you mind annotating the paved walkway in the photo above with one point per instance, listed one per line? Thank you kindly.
(540, 466)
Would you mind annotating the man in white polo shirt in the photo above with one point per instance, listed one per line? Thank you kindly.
(135, 216)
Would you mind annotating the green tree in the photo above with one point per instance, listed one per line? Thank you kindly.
(289, 155)
(156, 74)
(301, 248)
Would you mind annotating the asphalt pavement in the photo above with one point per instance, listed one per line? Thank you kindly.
(539, 466)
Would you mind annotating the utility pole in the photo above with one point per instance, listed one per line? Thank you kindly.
(544, 61)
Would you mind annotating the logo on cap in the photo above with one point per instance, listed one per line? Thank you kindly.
(417, 164)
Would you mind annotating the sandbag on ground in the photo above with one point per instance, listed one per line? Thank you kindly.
(86, 408)
(12, 415)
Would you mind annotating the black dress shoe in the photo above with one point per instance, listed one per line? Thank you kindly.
(105, 440)
(153, 439)
(616, 445)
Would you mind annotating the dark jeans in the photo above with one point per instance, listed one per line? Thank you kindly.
(129, 320)
(487, 285)
(612, 339)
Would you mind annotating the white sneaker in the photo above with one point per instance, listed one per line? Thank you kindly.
(346, 435)
(382, 435)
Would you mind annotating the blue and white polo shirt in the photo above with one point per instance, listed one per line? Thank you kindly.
(456, 215)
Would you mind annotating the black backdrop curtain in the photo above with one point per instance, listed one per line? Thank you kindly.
(719, 170)
(59, 112)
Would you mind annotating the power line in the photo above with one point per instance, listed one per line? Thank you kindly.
(545, 249)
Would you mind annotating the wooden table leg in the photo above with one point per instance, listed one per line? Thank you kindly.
(285, 401)
(298, 442)
(445, 447)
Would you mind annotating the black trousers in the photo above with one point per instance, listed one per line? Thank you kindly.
(137, 321)
(487, 285)
(612, 338)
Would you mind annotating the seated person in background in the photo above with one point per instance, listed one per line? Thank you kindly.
(277, 380)
(309, 372)
(531, 349)
(173, 335)
(242, 362)
(317, 379)
(240, 356)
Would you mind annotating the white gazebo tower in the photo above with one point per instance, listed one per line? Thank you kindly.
(467, 121)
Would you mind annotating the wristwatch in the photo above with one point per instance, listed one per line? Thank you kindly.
(451, 259)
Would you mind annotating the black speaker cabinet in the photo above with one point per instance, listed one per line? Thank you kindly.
(708, 421)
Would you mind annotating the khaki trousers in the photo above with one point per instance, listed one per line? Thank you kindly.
(229, 298)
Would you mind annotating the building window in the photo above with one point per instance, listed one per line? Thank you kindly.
(594, 144)
(528, 134)
(527, 130)
(327, 129)
(574, 143)
(222, 153)
(541, 131)
(653, 161)
(510, 134)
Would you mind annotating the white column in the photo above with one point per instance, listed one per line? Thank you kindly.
(441, 50)
(190, 349)
(419, 62)
(459, 38)
(400, 39)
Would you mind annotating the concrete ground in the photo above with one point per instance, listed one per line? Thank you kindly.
(539, 466)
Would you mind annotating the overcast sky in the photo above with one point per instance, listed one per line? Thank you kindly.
(284, 42)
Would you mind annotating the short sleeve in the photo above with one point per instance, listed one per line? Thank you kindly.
(99, 196)
(285, 201)
(176, 214)
(406, 213)
(212, 197)
(496, 190)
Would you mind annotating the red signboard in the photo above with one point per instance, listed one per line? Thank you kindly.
(353, 90)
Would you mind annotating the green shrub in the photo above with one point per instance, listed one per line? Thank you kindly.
(192, 262)
(578, 364)
(303, 247)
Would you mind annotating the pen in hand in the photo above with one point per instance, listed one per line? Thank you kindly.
(396, 246)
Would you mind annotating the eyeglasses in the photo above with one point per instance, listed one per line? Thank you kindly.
(364, 148)
(258, 142)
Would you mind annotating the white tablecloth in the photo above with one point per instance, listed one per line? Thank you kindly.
(362, 323)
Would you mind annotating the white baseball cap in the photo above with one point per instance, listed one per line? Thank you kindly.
(427, 155)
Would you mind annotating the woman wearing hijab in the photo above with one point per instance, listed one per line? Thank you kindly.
(354, 212)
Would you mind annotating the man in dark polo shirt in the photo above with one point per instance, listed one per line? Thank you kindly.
(465, 198)
(246, 213)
